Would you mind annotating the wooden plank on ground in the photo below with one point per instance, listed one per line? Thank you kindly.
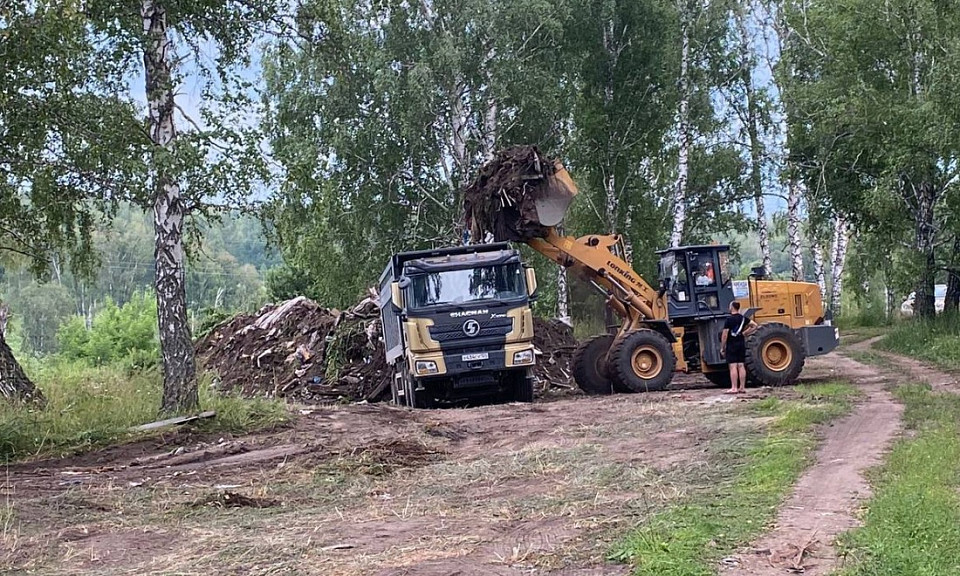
(173, 421)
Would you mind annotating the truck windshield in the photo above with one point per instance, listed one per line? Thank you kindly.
(504, 282)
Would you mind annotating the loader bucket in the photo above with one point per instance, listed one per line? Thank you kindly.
(557, 194)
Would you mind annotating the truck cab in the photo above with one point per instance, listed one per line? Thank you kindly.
(457, 325)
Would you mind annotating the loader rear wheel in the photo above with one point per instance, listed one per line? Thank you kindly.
(642, 361)
(590, 365)
(774, 355)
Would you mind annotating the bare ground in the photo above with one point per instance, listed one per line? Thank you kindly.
(349, 490)
(826, 499)
(373, 489)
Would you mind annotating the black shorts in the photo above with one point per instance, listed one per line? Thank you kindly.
(736, 351)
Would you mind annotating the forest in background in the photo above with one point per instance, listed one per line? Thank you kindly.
(826, 131)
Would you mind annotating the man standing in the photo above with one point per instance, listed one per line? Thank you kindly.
(733, 347)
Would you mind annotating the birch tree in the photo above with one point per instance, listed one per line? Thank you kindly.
(397, 109)
(874, 91)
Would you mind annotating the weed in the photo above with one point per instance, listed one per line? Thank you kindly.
(934, 340)
(912, 524)
(93, 406)
(686, 539)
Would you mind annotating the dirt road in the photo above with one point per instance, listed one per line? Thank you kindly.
(543, 488)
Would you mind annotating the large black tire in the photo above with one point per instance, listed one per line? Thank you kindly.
(774, 355)
(589, 365)
(642, 361)
(523, 390)
(721, 378)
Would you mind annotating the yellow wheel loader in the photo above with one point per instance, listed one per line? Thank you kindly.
(673, 328)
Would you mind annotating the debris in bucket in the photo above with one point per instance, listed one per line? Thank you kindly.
(300, 351)
(517, 195)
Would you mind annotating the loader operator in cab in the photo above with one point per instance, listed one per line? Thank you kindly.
(733, 347)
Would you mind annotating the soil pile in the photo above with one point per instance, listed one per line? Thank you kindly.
(301, 351)
(513, 192)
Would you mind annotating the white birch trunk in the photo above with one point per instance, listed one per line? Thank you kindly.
(819, 269)
(841, 238)
(753, 134)
(794, 195)
(683, 133)
(169, 210)
(563, 297)
(488, 141)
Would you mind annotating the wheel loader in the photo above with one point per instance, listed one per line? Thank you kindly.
(674, 327)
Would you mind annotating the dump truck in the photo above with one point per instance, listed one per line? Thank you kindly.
(457, 325)
(522, 196)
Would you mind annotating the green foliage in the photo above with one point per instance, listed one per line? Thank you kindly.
(912, 523)
(88, 407)
(687, 539)
(935, 340)
(872, 113)
(125, 333)
(41, 309)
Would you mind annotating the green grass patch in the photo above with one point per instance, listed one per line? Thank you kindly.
(88, 407)
(688, 539)
(936, 340)
(862, 334)
(912, 524)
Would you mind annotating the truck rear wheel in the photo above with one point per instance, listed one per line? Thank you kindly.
(774, 355)
(589, 365)
(642, 361)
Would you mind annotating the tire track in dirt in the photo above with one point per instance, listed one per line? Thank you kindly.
(825, 499)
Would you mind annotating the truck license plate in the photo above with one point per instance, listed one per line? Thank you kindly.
(473, 357)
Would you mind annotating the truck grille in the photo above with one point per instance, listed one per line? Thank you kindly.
(488, 328)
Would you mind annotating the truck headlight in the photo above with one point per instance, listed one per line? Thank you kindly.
(426, 367)
(523, 357)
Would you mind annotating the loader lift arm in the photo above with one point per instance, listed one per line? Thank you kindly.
(598, 260)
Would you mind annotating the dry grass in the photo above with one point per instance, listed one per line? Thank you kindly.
(558, 499)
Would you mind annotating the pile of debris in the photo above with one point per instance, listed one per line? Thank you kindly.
(300, 351)
(555, 344)
(517, 196)
(303, 352)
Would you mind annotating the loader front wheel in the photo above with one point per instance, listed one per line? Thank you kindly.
(774, 355)
(589, 365)
(642, 361)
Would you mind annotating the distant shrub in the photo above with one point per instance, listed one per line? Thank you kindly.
(125, 334)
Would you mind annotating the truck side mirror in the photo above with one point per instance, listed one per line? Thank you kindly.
(396, 296)
(531, 282)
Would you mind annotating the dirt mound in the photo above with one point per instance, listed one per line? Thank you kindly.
(555, 342)
(299, 350)
(503, 198)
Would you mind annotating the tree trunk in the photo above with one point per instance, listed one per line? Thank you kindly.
(924, 304)
(169, 210)
(951, 301)
(14, 384)
(563, 297)
(488, 139)
(793, 230)
(819, 269)
(753, 135)
(683, 132)
(841, 238)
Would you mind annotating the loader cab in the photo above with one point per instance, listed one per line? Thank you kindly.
(696, 280)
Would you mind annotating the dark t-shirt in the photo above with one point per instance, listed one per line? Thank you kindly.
(736, 324)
